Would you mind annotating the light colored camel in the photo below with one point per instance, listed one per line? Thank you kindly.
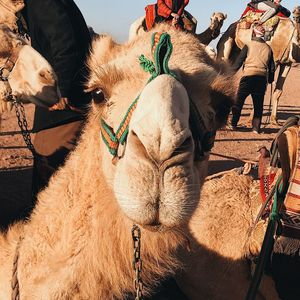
(284, 43)
(77, 243)
(29, 76)
(211, 33)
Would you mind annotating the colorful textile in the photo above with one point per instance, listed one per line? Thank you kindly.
(165, 7)
(150, 15)
(291, 209)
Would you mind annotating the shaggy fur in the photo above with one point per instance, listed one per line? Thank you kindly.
(216, 265)
(8, 10)
(77, 244)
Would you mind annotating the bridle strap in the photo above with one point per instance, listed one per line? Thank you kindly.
(10, 63)
(162, 50)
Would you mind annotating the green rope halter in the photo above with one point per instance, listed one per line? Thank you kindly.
(162, 49)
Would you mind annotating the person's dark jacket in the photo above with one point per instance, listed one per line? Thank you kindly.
(58, 32)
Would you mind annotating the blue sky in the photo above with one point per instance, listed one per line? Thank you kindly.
(115, 16)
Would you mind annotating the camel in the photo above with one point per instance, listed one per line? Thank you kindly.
(25, 74)
(211, 33)
(77, 243)
(284, 43)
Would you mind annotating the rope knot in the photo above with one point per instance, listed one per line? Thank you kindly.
(146, 64)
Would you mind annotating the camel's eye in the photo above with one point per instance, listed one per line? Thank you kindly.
(98, 96)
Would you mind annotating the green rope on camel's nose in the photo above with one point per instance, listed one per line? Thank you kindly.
(162, 49)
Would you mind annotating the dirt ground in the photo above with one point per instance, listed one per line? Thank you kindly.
(230, 150)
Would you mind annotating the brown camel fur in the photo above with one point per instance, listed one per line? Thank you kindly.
(216, 266)
(284, 43)
(77, 243)
(8, 11)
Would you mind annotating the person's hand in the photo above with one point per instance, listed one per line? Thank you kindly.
(60, 105)
(174, 21)
(175, 16)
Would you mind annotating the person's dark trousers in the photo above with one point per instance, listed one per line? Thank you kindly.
(286, 274)
(256, 87)
(52, 146)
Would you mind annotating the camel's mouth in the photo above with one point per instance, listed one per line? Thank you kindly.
(159, 201)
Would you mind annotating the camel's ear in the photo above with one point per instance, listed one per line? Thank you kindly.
(222, 98)
(225, 16)
(212, 15)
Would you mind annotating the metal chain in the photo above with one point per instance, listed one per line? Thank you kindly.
(22, 122)
(137, 262)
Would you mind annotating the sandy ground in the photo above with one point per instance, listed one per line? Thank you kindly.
(230, 150)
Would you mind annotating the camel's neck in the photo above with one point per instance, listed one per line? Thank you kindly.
(297, 26)
(208, 35)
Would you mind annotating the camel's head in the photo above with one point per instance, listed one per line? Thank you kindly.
(296, 14)
(24, 73)
(216, 22)
(156, 173)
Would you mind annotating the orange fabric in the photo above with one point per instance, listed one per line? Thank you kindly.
(165, 7)
(150, 15)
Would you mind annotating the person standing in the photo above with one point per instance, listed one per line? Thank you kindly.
(59, 32)
(258, 69)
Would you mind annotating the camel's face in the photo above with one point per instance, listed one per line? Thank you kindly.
(29, 75)
(156, 180)
(296, 14)
(217, 20)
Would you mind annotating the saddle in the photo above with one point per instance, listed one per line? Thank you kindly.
(288, 144)
(282, 164)
(251, 15)
(277, 226)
